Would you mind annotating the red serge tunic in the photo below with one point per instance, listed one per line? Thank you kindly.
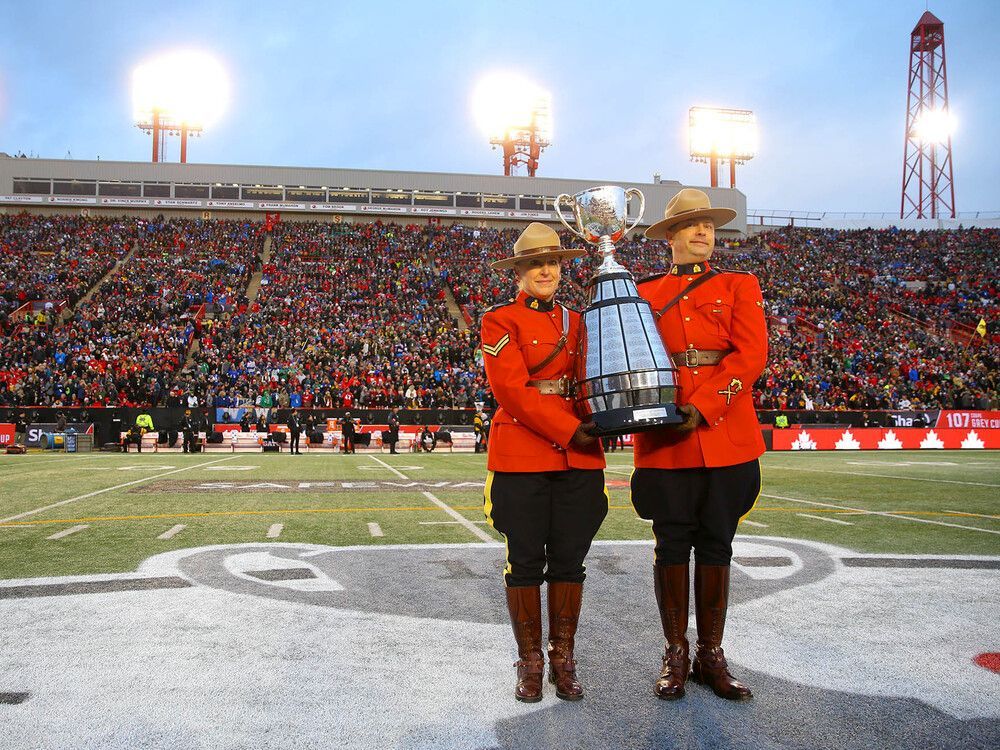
(726, 312)
(531, 432)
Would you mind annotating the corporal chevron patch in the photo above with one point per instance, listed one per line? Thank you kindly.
(495, 349)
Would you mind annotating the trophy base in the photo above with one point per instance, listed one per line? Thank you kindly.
(634, 419)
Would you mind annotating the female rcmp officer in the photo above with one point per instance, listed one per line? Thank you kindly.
(545, 487)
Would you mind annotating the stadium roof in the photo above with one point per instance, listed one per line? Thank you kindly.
(229, 187)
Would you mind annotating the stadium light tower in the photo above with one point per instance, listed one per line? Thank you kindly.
(178, 94)
(722, 135)
(928, 181)
(517, 116)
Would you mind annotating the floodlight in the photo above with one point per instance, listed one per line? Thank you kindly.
(933, 126)
(724, 133)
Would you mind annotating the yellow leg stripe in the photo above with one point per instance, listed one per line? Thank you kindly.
(488, 499)
(759, 490)
(488, 510)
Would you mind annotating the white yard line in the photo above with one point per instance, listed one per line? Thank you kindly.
(459, 517)
(758, 524)
(275, 531)
(375, 530)
(110, 489)
(882, 476)
(880, 513)
(172, 531)
(446, 523)
(33, 467)
(471, 527)
(67, 532)
(395, 471)
(828, 520)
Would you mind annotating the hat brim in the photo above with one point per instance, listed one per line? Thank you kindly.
(721, 217)
(565, 252)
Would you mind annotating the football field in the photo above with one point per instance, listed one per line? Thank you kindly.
(102, 513)
(326, 601)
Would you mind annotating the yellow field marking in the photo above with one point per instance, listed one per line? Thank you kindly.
(465, 522)
(95, 493)
(864, 474)
(836, 511)
(16, 524)
(908, 516)
(409, 509)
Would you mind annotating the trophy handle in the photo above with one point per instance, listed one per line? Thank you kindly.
(642, 206)
(569, 200)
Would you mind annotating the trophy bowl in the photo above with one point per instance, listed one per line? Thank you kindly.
(625, 381)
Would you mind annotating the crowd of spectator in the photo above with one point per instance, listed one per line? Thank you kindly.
(866, 319)
(56, 257)
(345, 317)
(363, 316)
(124, 345)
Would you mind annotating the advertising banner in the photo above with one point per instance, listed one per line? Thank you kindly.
(37, 430)
(980, 420)
(6, 435)
(871, 439)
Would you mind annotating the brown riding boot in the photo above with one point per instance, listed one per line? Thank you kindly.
(564, 614)
(672, 589)
(525, 606)
(711, 599)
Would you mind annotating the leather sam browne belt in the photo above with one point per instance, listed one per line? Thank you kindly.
(700, 357)
(560, 387)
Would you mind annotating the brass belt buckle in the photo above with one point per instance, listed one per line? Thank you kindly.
(568, 384)
(688, 360)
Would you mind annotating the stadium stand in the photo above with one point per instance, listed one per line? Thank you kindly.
(356, 315)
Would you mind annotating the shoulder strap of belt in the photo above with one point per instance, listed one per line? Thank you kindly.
(689, 288)
(560, 344)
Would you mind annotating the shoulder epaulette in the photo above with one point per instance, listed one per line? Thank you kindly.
(654, 277)
(499, 305)
(733, 270)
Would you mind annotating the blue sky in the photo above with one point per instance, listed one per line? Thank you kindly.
(387, 86)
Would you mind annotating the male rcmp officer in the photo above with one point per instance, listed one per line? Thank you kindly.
(697, 480)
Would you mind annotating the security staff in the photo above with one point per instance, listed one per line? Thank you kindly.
(348, 431)
(295, 430)
(392, 434)
(143, 424)
(545, 484)
(696, 481)
(188, 430)
(481, 429)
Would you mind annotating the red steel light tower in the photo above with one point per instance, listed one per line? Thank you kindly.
(161, 126)
(928, 184)
(177, 94)
(717, 135)
(515, 113)
(523, 144)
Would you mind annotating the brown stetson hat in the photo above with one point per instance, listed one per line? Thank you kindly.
(688, 204)
(536, 240)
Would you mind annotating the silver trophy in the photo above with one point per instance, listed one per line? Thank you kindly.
(625, 380)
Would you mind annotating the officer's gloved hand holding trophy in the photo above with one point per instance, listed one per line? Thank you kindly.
(625, 379)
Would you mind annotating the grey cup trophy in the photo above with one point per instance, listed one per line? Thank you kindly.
(625, 380)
